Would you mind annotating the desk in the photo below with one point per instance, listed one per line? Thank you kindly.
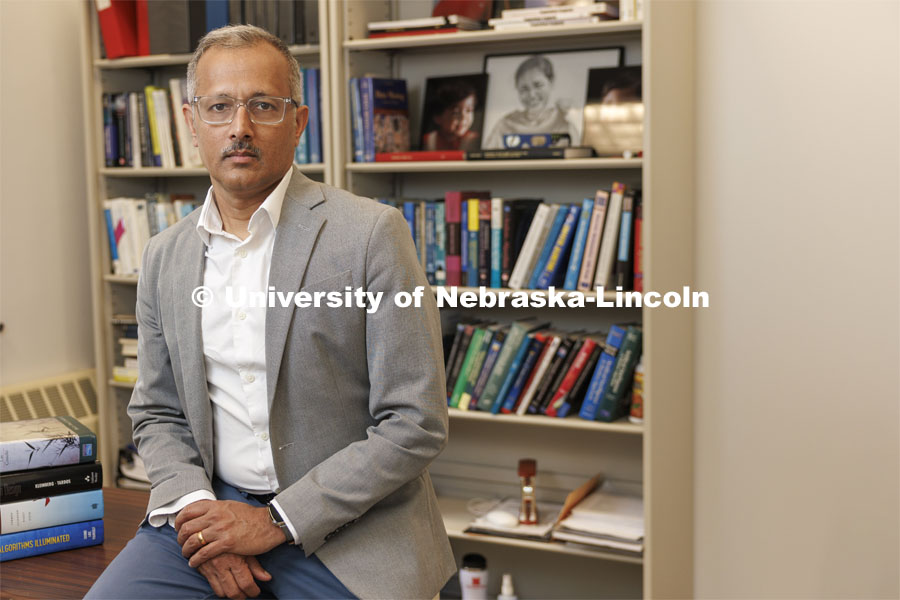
(71, 573)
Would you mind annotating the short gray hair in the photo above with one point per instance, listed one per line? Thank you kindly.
(233, 37)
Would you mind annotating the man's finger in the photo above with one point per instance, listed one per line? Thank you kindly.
(230, 586)
(245, 580)
(257, 570)
(192, 511)
(213, 578)
(207, 552)
(191, 528)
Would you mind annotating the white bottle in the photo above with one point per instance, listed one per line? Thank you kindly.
(506, 589)
(473, 577)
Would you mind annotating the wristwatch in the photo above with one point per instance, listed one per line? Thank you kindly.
(278, 521)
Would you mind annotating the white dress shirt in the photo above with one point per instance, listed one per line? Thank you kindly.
(234, 349)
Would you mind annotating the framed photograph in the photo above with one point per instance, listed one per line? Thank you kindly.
(614, 112)
(453, 116)
(540, 93)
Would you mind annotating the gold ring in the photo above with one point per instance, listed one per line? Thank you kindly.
(200, 537)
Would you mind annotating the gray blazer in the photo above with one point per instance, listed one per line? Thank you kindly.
(357, 405)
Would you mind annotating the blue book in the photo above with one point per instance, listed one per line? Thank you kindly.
(472, 272)
(496, 240)
(603, 372)
(554, 264)
(356, 120)
(409, 213)
(301, 152)
(584, 222)
(528, 363)
(464, 242)
(512, 373)
(110, 231)
(314, 124)
(216, 14)
(429, 242)
(50, 539)
(548, 247)
(440, 244)
(367, 102)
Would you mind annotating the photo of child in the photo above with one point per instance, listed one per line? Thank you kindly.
(614, 112)
(453, 115)
(541, 93)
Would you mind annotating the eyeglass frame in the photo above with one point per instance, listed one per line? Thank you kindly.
(243, 103)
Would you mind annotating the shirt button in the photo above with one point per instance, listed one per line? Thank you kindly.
(264, 437)
(242, 253)
(242, 315)
(249, 378)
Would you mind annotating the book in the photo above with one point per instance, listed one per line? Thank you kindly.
(578, 243)
(118, 26)
(407, 32)
(311, 78)
(453, 354)
(490, 362)
(385, 115)
(531, 23)
(484, 242)
(454, 368)
(168, 26)
(48, 511)
(496, 244)
(50, 539)
(38, 483)
(356, 125)
(517, 217)
(600, 379)
(549, 243)
(638, 280)
(472, 232)
(458, 21)
(440, 243)
(537, 374)
(623, 271)
(453, 216)
(614, 112)
(572, 398)
(553, 267)
(529, 153)
(47, 442)
(531, 248)
(561, 11)
(366, 102)
(557, 361)
(460, 384)
(614, 405)
(476, 366)
(532, 355)
(453, 113)
(418, 155)
(566, 385)
(430, 243)
(592, 246)
(511, 373)
(603, 274)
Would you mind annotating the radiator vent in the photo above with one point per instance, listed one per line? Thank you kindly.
(71, 394)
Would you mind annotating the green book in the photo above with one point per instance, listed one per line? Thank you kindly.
(514, 338)
(460, 386)
(475, 368)
(614, 400)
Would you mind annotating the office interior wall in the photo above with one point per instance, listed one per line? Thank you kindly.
(45, 301)
(796, 370)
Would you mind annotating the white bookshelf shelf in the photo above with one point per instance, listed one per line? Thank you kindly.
(570, 422)
(556, 164)
(457, 518)
(491, 37)
(164, 60)
(182, 171)
(126, 279)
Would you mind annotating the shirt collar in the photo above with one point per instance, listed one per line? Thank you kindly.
(210, 221)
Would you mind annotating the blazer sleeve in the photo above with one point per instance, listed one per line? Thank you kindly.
(406, 398)
(161, 431)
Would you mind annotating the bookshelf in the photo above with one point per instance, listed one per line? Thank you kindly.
(116, 294)
(483, 450)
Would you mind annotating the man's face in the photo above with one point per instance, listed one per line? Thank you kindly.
(246, 159)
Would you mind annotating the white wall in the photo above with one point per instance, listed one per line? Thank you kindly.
(45, 300)
(796, 369)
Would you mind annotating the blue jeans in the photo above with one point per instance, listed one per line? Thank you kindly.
(151, 566)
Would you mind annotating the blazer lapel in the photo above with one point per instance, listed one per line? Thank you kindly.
(295, 239)
(187, 277)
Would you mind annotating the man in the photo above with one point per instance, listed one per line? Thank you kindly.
(287, 446)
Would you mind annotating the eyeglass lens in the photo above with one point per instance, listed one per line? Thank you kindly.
(221, 109)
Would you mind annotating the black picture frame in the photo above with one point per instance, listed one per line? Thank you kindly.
(541, 92)
(448, 96)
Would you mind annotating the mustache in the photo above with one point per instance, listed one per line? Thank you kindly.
(241, 147)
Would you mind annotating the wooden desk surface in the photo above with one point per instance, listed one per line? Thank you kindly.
(71, 573)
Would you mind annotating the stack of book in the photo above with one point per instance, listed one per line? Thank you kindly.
(525, 368)
(472, 239)
(131, 222)
(51, 487)
(423, 26)
(127, 372)
(607, 519)
(175, 26)
(569, 14)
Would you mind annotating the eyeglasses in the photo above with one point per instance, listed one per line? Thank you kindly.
(263, 110)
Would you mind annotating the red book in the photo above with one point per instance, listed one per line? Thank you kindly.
(453, 217)
(638, 284)
(118, 27)
(420, 156)
(143, 28)
(571, 376)
(428, 31)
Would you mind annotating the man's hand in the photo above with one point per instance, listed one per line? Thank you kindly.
(227, 526)
(234, 576)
